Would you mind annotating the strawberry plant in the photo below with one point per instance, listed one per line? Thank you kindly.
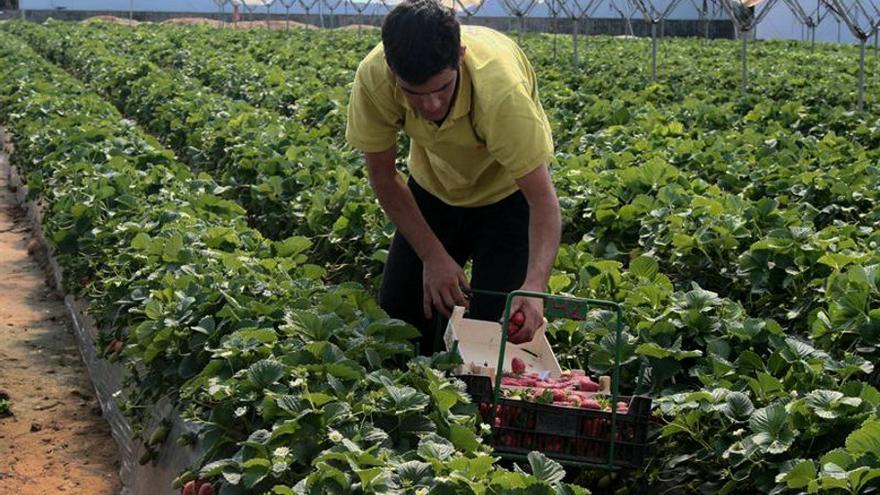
(739, 233)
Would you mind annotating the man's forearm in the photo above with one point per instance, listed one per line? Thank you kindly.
(545, 229)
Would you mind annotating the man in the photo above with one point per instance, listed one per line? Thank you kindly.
(480, 189)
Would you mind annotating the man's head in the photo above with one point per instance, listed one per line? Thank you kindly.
(422, 42)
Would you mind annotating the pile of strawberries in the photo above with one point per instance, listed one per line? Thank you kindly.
(572, 389)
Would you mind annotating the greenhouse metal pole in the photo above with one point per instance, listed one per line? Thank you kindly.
(745, 53)
(653, 50)
(574, 40)
(705, 13)
(519, 30)
(553, 26)
(860, 102)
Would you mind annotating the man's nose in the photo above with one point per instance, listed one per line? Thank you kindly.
(432, 103)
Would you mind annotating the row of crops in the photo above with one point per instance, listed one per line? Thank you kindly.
(201, 197)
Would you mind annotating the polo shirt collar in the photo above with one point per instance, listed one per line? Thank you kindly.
(462, 104)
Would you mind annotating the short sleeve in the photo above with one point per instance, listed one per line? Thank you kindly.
(373, 116)
(517, 132)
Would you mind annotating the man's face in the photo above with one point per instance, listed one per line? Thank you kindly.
(432, 98)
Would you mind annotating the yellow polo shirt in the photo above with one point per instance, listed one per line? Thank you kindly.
(496, 130)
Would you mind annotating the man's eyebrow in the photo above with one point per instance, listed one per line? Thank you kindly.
(441, 88)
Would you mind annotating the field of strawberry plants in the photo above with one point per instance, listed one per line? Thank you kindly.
(199, 194)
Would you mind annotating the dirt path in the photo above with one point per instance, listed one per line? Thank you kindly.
(55, 441)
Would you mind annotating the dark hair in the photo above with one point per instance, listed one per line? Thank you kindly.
(421, 38)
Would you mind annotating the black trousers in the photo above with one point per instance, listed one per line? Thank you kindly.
(495, 237)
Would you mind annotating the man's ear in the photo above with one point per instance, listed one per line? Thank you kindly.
(461, 51)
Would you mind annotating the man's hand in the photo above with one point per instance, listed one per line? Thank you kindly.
(442, 283)
(533, 310)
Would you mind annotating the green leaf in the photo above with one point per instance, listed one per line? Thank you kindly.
(801, 475)
(392, 330)
(559, 282)
(415, 472)
(403, 399)
(644, 267)
(865, 440)
(838, 457)
(434, 447)
(827, 403)
(141, 242)
(464, 439)
(861, 476)
(213, 469)
(772, 431)
(545, 469)
(737, 406)
(476, 467)
(317, 398)
(837, 261)
(651, 349)
(292, 246)
(255, 471)
(264, 373)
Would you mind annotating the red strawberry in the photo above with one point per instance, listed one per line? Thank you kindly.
(189, 488)
(529, 382)
(518, 319)
(206, 489)
(590, 404)
(585, 384)
(518, 365)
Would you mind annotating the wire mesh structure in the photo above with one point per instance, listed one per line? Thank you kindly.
(706, 10)
(268, 4)
(861, 17)
(862, 23)
(519, 9)
(810, 20)
(654, 15)
(746, 15)
(554, 10)
(331, 5)
(469, 8)
(360, 7)
(250, 7)
(577, 10)
(627, 17)
(221, 8)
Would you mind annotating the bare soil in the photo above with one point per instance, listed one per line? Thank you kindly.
(111, 19)
(54, 439)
